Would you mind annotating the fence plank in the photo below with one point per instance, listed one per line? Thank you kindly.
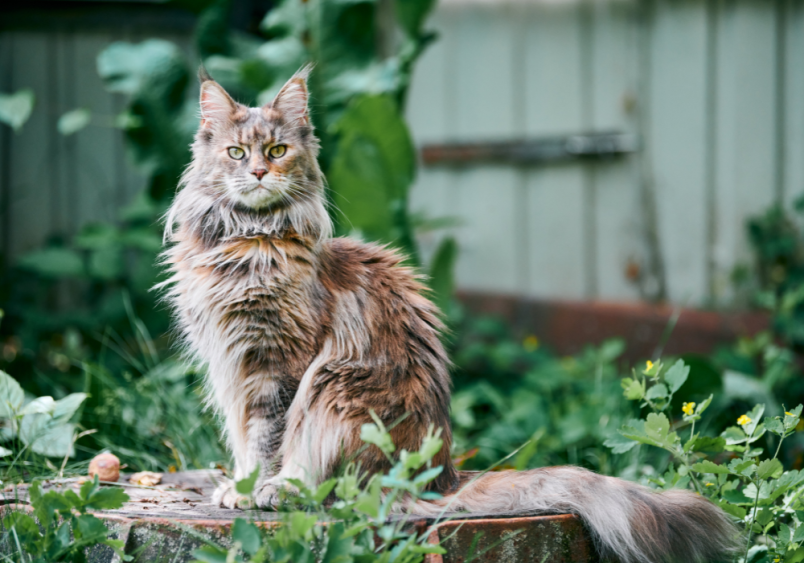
(677, 80)
(746, 134)
(555, 245)
(614, 75)
(31, 167)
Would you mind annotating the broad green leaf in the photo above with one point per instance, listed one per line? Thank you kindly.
(735, 496)
(301, 523)
(246, 486)
(73, 121)
(66, 407)
(442, 278)
(798, 534)
(745, 468)
(11, 395)
(16, 108)
(412, 13)
(48, 436)
(210, 554)
(707, 466)
(755, 415)
(774, 425)
(734, 435)
(770, 469)
(40, 405)
(247, 534)
(619, 444)
(24, 525)
(736, 511)
(658, 391)
(107, 498)
(676, 376)
(657, 427)
(48, 504)
(633, 390)
(5, 452)
(708, 444)
(54, 262)
(89, 528)
(373, 169)
(324, 489)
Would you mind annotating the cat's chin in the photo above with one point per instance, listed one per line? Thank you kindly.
(258, 198)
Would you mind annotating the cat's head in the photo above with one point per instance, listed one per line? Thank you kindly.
(258, 158)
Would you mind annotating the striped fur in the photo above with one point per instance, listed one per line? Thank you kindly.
(304, 335)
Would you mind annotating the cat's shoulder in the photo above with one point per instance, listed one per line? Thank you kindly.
(348, 261)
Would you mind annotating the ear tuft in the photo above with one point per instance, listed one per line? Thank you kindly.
(216, 104)
(203, 75)
(292, 99)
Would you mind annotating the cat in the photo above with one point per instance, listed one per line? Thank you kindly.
(303, 335)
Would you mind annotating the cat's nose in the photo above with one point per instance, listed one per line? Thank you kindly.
(259, 172)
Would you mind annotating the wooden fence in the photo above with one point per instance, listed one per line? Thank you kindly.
(712, 90)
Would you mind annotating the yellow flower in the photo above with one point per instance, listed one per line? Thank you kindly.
(789, 413)
(531, 343)
(648, 365)
(688, 408)
(710, 484)
(743, 420)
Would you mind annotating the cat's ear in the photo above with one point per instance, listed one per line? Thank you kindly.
(216, 104)
(291, 101)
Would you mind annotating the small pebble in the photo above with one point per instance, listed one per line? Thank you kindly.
(147, 478)
(106, 467)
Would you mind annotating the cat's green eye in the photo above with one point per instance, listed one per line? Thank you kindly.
(236, 153)
(277, 151)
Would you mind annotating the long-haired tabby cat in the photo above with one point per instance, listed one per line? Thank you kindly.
(304, 335)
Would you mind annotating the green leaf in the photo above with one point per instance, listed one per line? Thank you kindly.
(676, 376)
(633, 390)
(16, 108)
(246, 486)
(210, 554)
(5, 452)
(412, 13)
(107, 498)
(25, 527)
(735, 496)
(442, 268)
(11, 396)
(798, 534)
(619, 444)
(774, 425)
(707, 466)
(73, 121)
(745, 468)
(371, 434)
(770, 469)
(657, 427)
(89, 529)
(658, 391)
(300, 523)
(427, 476)
(324, 489)
(53, 262)
(247, 534)
(736, 511)
(708, 444)
(373, 169)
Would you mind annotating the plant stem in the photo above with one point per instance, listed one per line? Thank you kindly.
(753, 519)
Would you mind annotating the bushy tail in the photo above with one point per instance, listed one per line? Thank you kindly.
(628, 522)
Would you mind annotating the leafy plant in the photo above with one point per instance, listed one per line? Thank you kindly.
(41, 426)
(733, 468)
(345, 518)
(63, 529)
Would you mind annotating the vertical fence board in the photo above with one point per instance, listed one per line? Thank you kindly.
(96, 175)
(555, 210)
(746, 128)
(31, 168)
(793, 173)
(677, 125)
(487, 233)
(613, 90)
(483, 59)
(554, 194)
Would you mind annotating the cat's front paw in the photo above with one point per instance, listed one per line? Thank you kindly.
(226, 496)
(267, 495)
